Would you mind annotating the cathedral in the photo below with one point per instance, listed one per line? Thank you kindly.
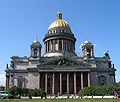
(60, 69)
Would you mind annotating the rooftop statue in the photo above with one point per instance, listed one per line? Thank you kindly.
(106, 55)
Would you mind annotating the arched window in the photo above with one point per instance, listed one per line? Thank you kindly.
(102, 80)
(88, 52)
(19, 81)
(35, 52)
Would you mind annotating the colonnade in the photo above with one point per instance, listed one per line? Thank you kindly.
(59, 45)
(64, 83)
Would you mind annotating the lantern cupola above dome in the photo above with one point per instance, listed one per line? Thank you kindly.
(59, 25)
(59, 15)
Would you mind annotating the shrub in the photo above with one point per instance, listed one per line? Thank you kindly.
(12, 90)
(99, 90)
(18, 91)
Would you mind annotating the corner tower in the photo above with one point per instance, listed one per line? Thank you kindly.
(59, 39)
(35, 49)
(88, 49)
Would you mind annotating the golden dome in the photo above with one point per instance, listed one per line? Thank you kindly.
(59, 23)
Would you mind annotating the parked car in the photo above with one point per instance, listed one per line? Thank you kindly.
(3, 94)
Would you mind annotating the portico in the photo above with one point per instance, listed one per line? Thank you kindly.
(64, 82)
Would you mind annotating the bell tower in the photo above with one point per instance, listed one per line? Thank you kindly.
(88, 49)
(35, 49)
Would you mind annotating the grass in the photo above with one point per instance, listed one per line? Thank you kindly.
(60, 100)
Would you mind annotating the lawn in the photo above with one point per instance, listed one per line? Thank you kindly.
(60, 100)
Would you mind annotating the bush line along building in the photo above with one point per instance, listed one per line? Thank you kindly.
(60, 69)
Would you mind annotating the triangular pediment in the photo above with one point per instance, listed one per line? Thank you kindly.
(65, 62)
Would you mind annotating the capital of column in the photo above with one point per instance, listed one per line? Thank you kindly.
(7, 75)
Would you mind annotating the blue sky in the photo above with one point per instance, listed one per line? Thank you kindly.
(22, 20)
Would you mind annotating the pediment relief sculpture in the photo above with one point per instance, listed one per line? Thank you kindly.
(65, 62)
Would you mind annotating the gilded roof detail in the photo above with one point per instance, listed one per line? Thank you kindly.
(59, 22)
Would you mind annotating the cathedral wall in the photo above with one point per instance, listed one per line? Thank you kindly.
(111, 77)
(102, 65)
(107, 76)
(33, 80)
(94, 79)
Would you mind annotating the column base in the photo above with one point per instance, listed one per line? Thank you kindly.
(68, 94)
(53, 94)
(60, 95)
(74, 94)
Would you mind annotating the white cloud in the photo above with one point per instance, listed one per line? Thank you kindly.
(2, 79)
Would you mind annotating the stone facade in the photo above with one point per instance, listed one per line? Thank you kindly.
(60, 69)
